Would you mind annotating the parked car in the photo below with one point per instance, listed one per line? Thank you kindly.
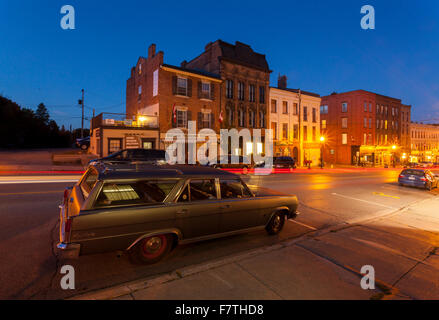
(243, 162)
(284, 162)
(83, 143)
(148, 210)
(418, 178)
(134, 155)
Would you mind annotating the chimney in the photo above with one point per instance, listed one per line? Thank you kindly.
(282, 82)
(183, 64)
(151, 50)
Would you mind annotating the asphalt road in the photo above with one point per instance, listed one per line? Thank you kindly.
(30, 268)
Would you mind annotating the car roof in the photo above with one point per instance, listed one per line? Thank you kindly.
(135, 171)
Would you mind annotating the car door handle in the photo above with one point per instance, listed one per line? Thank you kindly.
(182, 211)
(227, 206)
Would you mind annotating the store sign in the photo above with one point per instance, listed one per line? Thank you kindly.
(132, 142)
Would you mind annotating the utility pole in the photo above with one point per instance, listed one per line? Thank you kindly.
(82, 118)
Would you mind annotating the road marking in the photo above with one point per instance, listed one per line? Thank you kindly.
(370, 202)
(385, 195)
(302, 224)
(37, 192)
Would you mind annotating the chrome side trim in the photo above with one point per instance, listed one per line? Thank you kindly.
(221, 235)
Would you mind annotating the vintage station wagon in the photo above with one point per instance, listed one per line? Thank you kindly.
(148, 209)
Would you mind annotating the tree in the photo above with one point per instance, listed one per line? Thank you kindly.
(42, 113)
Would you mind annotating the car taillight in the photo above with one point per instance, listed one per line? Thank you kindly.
(66, 194)
(401, 176)
(67, 225)
(424, 179)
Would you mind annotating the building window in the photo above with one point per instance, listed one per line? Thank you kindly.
(114, 145)
(251, 118)
(370, 107)
(285, 107)
(344, 123)
(296, 131)
(241, 90)
(139, 91)
(324, 109)
(305, 113)
(370, 123)
(273, 106)
(181, 118)
(365, 106)
(305, 133)
(229, 89)
(261, 94)
(230, 118)
(206, 120)
(378, 124)
(314, 134)
(261, 119)
(369, 141)
(344, 138)
(314, 115)
(385, 124)
(251, 93)
(181, 86)
(274, 127)
(241, 118)
(365, 123)
(140, 68)
(205, 90)
(295, 108)
(323, 124)
(344, 107)
(285, 131)
(155, 83)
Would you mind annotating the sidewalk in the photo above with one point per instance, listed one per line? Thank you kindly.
(326, 264)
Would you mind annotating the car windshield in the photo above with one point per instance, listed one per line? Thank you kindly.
(134, 193)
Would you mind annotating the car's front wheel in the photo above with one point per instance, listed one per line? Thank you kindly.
(276, 223)
(151, 249)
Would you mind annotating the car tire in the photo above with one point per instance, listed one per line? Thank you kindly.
(276, 223)
(428, 186)
(151, 249)
(84, 147)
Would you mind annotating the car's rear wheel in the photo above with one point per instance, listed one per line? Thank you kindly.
(84, 147)
(428, 186)
(276, 223)
(152, 249)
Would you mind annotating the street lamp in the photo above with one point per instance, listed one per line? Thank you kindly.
(322, 141)
(393, 155)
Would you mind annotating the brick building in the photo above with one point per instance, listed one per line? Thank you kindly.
(294, 118)
(424, 142)
(174, 94)
(245, 79)
(362, 127)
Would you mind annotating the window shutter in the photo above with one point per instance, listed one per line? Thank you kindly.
(174, 85)
(189, 87)
(200, 120)
(244, 112)
(199, 89)
(212, 120)
(212, 91)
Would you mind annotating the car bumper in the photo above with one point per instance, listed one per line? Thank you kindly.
(69, 250)
(293, 215)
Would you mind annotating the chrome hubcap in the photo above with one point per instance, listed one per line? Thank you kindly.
(276, 222)
(153, 244)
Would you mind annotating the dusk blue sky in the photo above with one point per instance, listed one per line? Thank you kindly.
(319, 45)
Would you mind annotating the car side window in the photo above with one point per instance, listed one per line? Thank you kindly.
(134, 193)
(233, 188)
(89, 181)
(184, 196)
(202, 189)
